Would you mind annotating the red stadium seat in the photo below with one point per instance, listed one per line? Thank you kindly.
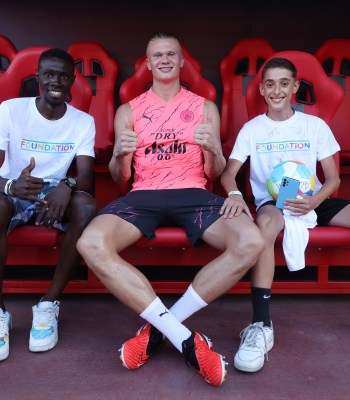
(334, 55)
(237, 69)
(317, 95)
(19, 80)
(189, 76)
(33, 245)
(7, 52)
(101, 70)
(185, 52)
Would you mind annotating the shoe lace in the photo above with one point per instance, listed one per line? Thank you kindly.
(43, 317)
(254, 336)
(3, 323)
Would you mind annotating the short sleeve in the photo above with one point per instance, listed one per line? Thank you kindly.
(4, 126)
(326, 142)
(241, 148)
(86, 147)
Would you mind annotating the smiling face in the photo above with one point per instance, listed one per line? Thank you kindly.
(277, 87)
(55, 77)
(164, 59)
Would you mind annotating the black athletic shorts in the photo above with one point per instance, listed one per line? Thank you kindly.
(194, 210)
(328, 209)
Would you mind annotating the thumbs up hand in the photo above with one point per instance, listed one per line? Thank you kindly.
(205, 134)
(126, 139)
(28, 170)
(26, 186)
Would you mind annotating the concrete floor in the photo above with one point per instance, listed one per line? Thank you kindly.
(310, 359)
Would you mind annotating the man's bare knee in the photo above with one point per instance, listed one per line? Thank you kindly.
(91, 247)
(249, 246)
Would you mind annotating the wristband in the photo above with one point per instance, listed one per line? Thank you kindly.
(10, 186)
(234, 192)
(6, 187)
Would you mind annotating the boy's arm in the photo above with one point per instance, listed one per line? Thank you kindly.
(331, 183)
(125, 145)
(234, 204)
(301, 206)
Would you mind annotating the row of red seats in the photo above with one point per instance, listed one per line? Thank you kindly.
(320, 96)
(238, 68)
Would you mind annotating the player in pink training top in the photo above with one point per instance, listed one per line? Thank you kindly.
(167, 133)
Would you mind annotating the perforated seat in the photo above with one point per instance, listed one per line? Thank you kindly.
(7, 53)
(19, 79)
(317, 95)
(100, 70)
(190, 77)
(237, 69)
(185, 52)
(334, 55)
(33, 242)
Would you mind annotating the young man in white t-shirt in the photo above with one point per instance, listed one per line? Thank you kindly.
(309, 140)
(39, 139)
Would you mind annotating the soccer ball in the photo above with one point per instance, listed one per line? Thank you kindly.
(295, 170)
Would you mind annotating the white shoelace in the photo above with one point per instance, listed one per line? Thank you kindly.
(3, 324)
(251, 337)
(43, 316)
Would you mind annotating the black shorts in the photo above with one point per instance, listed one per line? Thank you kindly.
(328, 209)
(194, 210)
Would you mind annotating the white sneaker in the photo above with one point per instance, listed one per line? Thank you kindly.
(5, 325)
(256, 341)
(44, 333)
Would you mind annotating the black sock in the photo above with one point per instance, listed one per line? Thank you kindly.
(261, 305)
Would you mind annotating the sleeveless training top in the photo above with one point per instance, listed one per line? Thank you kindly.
(167, 156)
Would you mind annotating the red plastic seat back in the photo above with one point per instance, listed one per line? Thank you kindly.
(189, 76)
(237, 69)
(100, 70)
(334, 55)
(19, 79)
(318, 94)
(7, 53)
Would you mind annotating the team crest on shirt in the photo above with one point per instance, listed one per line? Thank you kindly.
(187, 116)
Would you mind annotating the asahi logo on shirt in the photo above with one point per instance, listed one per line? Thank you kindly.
(164, 151)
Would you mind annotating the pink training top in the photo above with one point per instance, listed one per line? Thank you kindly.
(167, 156)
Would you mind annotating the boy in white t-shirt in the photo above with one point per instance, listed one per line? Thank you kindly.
(39, 139)
(309, 140)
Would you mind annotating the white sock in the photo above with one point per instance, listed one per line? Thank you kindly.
(162, 319)
(188, 304)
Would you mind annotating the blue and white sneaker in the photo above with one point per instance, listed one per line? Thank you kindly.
(44, 333)
(5, 325)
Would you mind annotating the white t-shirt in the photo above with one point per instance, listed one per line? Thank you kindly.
(25, 133)
(303, 137)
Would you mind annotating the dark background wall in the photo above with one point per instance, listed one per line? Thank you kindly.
(209, 29)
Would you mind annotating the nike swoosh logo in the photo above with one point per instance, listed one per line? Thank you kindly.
(266, 297)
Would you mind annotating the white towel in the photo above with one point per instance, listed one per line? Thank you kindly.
(296, 238)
